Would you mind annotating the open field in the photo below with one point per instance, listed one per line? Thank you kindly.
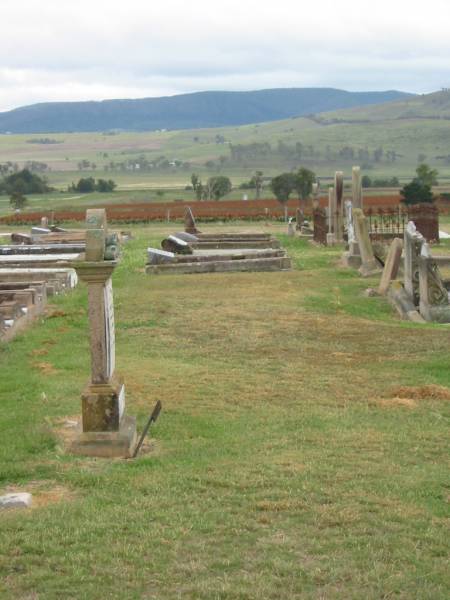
(302, 451)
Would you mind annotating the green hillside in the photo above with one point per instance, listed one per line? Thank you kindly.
(385, 140)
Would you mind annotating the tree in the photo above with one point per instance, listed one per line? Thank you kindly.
(26, 181)
(366, 182)
(104, 185)
(427, 175)
(303, 182)
(416, 192)
(197, 186)
(17, 198)
(282, 186)
(219, 186)
(257, 183)
(84, 185)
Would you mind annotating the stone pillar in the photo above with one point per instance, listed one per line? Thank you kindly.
(106, 431)
(339, 217)
(331, 217)
(369, 265)
(357, 195)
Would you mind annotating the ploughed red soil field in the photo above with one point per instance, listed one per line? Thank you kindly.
(210, 210)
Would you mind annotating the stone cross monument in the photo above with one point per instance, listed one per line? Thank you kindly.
(106, 431)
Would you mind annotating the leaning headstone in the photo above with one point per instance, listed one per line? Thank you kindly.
(159, 257)
(299, 217)
(174, 244)
(106, 431)
(391, 265)
(15, 500)
(434, 302)
(369, 265)
(189, 222)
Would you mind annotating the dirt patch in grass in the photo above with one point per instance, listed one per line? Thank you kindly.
(423, 392)
(409, 396)
(45, 368)
(39, 352)
(44, 493)
(394, 402)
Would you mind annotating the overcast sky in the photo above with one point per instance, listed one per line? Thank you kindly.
(97, 49)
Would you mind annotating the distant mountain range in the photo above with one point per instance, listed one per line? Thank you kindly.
(186, 111)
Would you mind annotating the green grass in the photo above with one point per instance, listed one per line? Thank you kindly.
(282, 464)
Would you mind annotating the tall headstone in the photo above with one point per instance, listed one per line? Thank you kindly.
(357, 194)
(300, 218)
(331, 217)
(106, 431)
(339, 206)
(369, 265)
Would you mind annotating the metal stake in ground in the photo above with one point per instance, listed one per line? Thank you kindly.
(152, 419)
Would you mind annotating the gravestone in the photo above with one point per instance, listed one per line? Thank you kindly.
(189, 222)
(412, 243)
(106, 431)
(369, 265)
(339, 206)
(176, 245)
(320, 235)
(434, 301)
(351, 258)
(391, 265)
(291, 227)
(330, 238)
(299, 217)
(357, 194)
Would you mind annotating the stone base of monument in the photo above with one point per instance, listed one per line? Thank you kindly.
(108, 444)
(105, 430)
(102, 406)
(401, 301)
(350, 260)
(367, 269)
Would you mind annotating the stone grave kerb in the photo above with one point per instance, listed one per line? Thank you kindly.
(106, 431)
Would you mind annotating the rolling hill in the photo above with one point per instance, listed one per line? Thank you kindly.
(186, 111)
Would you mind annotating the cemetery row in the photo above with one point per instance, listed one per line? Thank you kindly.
(393, 243)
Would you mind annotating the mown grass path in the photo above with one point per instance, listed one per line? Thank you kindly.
(290, 460)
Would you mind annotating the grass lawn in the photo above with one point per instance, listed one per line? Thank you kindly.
(302, 450)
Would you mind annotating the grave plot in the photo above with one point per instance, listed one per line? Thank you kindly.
(424, 293)
(191, 251)
(34, 267)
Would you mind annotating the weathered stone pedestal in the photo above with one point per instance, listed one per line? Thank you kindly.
(105, 430)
